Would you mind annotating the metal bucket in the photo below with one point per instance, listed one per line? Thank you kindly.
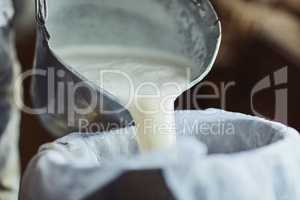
(188, 28)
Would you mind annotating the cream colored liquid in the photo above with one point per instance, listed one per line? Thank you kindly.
(146, 83)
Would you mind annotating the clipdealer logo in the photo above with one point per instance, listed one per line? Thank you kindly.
(276, 81)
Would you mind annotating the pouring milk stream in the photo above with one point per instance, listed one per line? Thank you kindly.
(145, 82)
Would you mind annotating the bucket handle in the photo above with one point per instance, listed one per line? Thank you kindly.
(41, 11)
(41, 14)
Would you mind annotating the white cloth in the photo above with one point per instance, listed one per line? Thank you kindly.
(251, 158)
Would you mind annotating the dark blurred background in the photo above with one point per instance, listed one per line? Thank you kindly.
(259, 38)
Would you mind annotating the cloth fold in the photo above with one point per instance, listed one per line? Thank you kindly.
(6, 12)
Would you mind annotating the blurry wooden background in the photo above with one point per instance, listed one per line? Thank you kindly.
(259, 37)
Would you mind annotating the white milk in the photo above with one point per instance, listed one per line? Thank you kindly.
(145, 82)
